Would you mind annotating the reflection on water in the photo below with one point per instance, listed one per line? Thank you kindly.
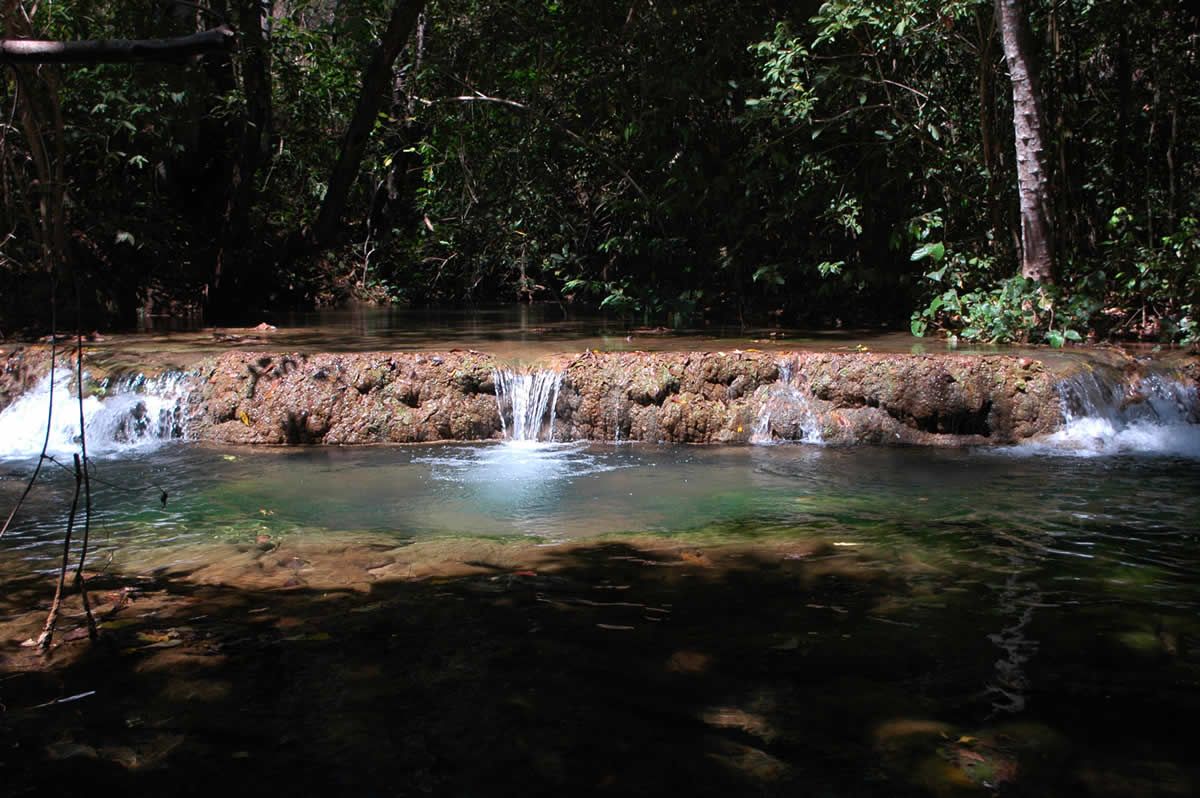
(517, 333)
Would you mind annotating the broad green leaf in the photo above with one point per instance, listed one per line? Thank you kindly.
(933, 251)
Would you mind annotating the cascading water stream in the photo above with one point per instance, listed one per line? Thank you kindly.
(526, 476)
(131, 413)
(1104, 414)
(526, 402)
(788, 405)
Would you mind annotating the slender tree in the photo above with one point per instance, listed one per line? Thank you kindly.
(252, 152)
(1033, 185)
(376, 80)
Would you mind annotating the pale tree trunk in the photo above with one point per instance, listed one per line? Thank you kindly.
(377, 80)
(1033, 185)
(26, 50)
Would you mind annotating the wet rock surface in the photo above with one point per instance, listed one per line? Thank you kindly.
(671, 397)
(20, 369)
(344, 399)
(946, 399)
(850, 398)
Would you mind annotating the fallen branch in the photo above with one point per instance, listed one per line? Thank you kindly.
(66, 700)
(108, 51)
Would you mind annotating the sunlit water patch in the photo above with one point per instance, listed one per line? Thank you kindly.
(1124, 518)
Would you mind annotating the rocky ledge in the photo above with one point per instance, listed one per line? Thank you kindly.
(948, 399)
(20, 369)
(683, 397)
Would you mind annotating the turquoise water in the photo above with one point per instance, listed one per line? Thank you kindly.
(1094, 516)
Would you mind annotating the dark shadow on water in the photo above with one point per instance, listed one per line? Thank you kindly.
(613, 669)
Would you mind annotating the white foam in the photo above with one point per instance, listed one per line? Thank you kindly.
(1091, 437)
(526, 402)
(134, 414)
(1157, 415)
(517, 463)
(792, 401)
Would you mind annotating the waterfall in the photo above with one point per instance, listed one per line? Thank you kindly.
(1105, 414)
(127, 413)
(787, 413)
(526, 402)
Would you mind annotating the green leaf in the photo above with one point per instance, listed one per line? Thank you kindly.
(933, 251)
(768, 274)
(1055, 339)
(918, 326)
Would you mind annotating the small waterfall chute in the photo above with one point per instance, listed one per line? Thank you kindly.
(526, 401)
(1106, 414)
(787, 413)
(128, 413)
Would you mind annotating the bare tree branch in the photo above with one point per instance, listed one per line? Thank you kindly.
(101, 51)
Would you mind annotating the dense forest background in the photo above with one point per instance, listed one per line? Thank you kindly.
(846, 162)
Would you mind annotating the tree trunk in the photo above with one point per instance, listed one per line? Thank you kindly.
(1037, 253)
(252, 149)
(37, 104)
(395, 196)
(1121, 137)
(377, 79)
(990, 149)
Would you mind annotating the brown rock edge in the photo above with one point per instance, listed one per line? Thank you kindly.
(946, 399)
(683, 397)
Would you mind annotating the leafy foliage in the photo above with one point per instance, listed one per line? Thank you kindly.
(835, 162)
